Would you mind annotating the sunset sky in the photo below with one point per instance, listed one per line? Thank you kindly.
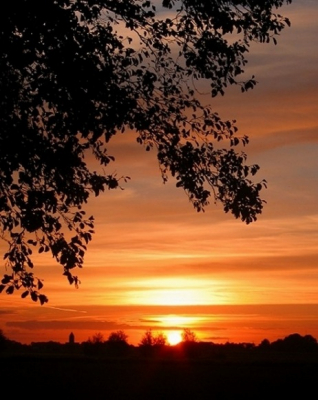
(156, 263)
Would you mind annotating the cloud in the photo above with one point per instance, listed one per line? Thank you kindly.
(85, 325)
(6, 312)
(216, 338)
(35, 325)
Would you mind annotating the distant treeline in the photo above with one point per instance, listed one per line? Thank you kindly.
(294, 345)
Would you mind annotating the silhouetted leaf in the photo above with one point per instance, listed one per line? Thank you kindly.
(43, 299)
(10, 289)
(34, 296)
(6, 279)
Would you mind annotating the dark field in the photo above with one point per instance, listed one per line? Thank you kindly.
(93, 378)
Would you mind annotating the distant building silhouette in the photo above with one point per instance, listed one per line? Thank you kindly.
(71, 338)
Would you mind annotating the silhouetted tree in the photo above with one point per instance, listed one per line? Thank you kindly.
(117, 344)
(3, 340)
(151, 340)
(118, 337)
(70, 80)
(94, 345)
(188, 336)
(265, 344)
(97, 338)
(296, 342)
(160, 339)
(147, 339)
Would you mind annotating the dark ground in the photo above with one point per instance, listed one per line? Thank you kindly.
(92, 378)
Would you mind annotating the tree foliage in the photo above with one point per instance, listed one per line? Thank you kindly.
(3, 341)
(188, 336)
(149, 339)
(118, 337)
(2, 336)
(97, 338)
(74, 73)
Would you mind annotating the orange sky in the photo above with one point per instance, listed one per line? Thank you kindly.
(151, 248)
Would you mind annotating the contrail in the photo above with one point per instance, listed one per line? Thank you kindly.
(66, 309)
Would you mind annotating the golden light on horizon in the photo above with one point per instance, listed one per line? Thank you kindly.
(173, 297)
(177, 292)
(178, 320)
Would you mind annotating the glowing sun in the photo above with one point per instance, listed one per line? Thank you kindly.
(174, 337)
